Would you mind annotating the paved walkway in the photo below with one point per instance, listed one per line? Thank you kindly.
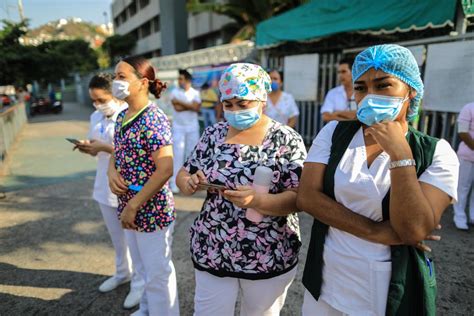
(55, 251)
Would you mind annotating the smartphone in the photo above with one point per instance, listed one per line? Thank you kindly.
(74, 141)
(211, 186)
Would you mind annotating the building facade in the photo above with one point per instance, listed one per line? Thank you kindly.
(176, 32)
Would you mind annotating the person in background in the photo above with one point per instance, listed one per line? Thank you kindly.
(100, 144)
(209, 101)
(138, 173)
(281, 106)
(52, 94)
(377, 188)
(230, 251)
(186, 103)
(339, 103)
(466, 168)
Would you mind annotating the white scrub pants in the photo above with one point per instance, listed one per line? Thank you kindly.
(123, 264)
(160, 297)
(311, 307)
(465, 186)
(217, 296)
(184, 141)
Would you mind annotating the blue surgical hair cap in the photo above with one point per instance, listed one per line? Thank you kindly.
(397, 61)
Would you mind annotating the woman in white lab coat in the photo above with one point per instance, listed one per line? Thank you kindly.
(376, 188)
(99, 143)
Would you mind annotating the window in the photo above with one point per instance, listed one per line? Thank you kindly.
(123, 17)
(144, 3)
(132, 8)
(156, 24)
(117, 21)
(145, 29)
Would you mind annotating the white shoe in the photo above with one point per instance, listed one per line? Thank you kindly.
(133, 299)
(111, 284)
(461, 226)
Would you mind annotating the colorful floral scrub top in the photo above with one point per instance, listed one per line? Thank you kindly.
(223, 241)
(135, 141)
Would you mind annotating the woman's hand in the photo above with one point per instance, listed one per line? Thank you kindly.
(191, 184)
(127, 217)
(423, 246)
(116, 182)
(243, 197)
(82, 146)
(391, 137)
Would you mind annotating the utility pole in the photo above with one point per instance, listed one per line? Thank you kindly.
(20, 10)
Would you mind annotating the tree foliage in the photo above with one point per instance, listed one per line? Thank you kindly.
(247, 14)
(119, 45)
(47, 62)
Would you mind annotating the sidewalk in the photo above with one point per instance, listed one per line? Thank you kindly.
(55, 250)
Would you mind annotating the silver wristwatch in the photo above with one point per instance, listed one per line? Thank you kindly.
(402, 163)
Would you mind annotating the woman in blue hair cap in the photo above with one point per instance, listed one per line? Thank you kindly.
(376, 188)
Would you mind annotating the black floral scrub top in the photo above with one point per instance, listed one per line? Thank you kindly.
(223, 241)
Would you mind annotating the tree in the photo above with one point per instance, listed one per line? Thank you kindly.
(48, 62)
(119, 45)
(247, 14)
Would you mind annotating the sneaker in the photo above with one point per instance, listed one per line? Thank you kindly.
(461, 226)
(111, 284)
(133, 299)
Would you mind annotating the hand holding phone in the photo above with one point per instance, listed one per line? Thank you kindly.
(211, 186)
(74, 141)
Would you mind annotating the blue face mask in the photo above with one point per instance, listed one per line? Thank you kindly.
(379, 108)
(243, 119)
(275, 86)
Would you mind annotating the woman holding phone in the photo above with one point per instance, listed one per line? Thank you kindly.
(230, 251)
(100, 144)
(139, 174)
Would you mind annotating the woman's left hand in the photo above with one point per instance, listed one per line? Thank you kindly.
(243, 197)
(391, 137)
(127, 217)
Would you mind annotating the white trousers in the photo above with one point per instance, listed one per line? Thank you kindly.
(184, 141)
(217, 296)
(125, 261)
(465, 186)
(311, 307)
(160, 297)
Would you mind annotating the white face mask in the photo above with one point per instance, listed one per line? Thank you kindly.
(108, 109)
(120, 89)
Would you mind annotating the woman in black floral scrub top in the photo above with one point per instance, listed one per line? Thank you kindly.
(228, 250)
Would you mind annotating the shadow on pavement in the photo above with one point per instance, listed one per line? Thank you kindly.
(57, 292)
(18, 182)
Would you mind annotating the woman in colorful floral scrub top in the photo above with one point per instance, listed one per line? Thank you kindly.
(229, 251)
(138, 175)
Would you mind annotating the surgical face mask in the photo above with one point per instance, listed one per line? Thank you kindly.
(120, 89)
(242, 119)
(275, 86)
(108, 109)
(379, 108)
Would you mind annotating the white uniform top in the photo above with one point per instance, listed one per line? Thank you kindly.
(185, 119)
(356, 272)
(285, 108)
(336, 100)
(102, 129)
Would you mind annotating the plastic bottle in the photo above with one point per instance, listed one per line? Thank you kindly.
(261, 184)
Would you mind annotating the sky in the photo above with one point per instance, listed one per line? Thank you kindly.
(42, 11)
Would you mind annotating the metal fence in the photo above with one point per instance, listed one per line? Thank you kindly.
(11, 122)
